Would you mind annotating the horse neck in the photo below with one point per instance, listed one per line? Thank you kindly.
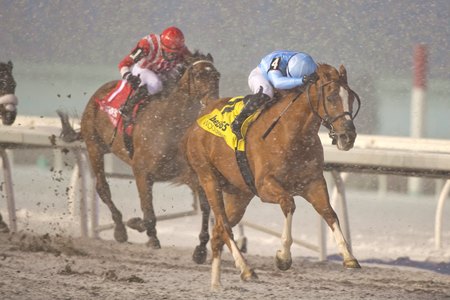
(181, 100)
(300, 120)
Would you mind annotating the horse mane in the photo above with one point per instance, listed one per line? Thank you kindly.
(172, 82)
(323, 70)
(328, 71)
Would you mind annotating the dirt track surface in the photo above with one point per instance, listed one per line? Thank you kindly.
(55, 267)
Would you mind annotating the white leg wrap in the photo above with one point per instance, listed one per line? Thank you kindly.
(341, 243)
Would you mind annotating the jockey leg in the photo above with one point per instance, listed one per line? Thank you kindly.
(150, 84)
(252, 103)
(127, 109)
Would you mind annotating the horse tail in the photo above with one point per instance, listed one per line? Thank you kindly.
(68, 134)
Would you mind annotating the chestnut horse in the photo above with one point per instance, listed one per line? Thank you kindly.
(157, 132)
(286, 160)
(8, 106)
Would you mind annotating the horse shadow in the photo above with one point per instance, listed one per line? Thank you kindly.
(404, 261)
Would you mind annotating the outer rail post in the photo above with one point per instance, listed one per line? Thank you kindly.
(81, 162)
(438, 218)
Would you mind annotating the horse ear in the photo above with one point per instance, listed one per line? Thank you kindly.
(343, 73)
(10, 65)
(209, 56)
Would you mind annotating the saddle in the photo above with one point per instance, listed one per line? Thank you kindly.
(111, 105)
(113, 101)
(218, 122)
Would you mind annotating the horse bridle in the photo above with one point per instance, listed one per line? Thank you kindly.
(327, 120)
(190, 77)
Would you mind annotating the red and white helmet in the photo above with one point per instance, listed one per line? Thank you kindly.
(172, 39)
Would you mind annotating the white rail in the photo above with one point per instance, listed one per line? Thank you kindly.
(371, 154)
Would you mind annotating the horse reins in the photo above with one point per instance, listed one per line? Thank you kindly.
(275, 122)
(327, 121)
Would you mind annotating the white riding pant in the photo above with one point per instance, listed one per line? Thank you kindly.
(149, 78)
(256, 79)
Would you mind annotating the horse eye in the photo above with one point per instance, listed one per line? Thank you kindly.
(332, 97)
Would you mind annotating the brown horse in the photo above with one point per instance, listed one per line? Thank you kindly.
(285, 162)
(8, 100)
(158, 130)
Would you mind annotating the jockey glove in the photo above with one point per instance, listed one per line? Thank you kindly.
(312, 78)
(134, 81)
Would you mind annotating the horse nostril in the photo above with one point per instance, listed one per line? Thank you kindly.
(349, 126)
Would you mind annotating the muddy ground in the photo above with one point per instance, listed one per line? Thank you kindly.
(58, 267)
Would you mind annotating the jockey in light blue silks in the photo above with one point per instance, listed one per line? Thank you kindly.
(281, 69)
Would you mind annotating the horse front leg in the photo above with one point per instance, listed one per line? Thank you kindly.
(317, 194)
(271, 192)
(102, 187)
(200, 252)
(144, 184)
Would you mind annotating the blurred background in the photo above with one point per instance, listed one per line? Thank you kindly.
(64, 50)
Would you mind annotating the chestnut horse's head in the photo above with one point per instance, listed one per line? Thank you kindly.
(8, 101)
(201, 78)
(335, 105)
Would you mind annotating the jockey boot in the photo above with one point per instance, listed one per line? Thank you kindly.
(252, 103)
(127, 108)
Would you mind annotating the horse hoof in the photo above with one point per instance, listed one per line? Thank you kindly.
(283, 264)
(136, 224)
(249, 275)
(199, 256)
(352, 264)
(120, 234)
(216, 287)
(153, 243)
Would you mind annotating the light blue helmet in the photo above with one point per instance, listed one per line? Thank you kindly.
(299, 65)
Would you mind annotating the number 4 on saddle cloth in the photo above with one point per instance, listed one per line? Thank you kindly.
(218, 122)
(111, 105)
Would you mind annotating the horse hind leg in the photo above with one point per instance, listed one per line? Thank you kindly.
(222, 231)
(200, 252)
(217, 243)
(317, 195)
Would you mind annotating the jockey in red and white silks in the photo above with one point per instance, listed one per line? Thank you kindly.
(154, 59)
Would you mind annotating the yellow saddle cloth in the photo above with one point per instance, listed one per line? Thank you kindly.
(218, 122)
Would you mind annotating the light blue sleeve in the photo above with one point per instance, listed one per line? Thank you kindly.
(282, 82)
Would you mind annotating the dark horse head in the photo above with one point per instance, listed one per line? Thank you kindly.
(8, 101)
